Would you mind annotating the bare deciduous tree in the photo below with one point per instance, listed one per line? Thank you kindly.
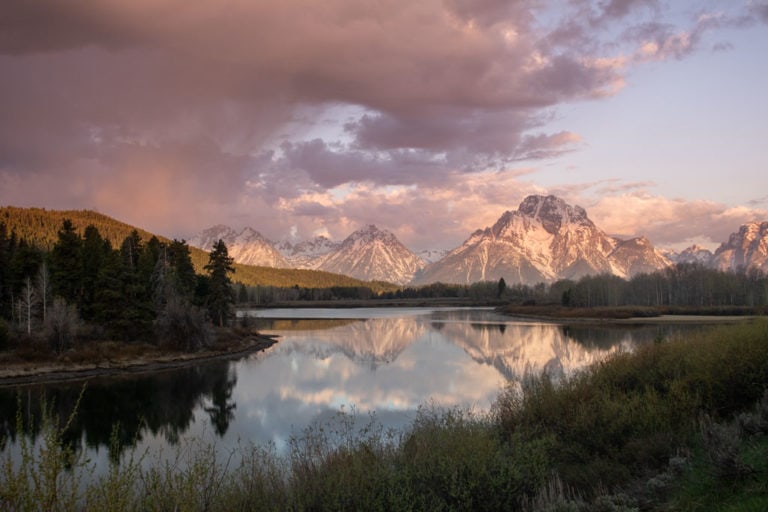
(28, 303)
(43, 282)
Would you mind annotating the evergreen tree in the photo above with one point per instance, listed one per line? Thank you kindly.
(137, 314)
(25, 262)
(94, 252)
(242, 294)
(220, 296)
(184, 271)
(5, 265)
(130, 252)
(148, 257)
(109, 299)
(66, 267)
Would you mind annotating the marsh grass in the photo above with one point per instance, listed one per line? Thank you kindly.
(677, 425)
(48, 474)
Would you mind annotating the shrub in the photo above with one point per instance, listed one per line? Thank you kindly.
(626, 416)
(182, 326)
(61, 325)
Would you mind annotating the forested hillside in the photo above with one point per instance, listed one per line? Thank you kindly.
(39, 227)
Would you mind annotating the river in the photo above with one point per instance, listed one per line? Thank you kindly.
(382, 361)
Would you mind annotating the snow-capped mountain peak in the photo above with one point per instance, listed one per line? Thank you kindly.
(746, 248)
(248, 247)
(373, 254)
(543, 240)
(552, 212)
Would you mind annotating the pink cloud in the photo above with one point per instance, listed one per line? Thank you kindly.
(175, 115)
(666, 221)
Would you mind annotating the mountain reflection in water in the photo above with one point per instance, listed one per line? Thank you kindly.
(388, 361)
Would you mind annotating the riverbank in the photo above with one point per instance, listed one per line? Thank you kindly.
(102, 359)
(631, 314)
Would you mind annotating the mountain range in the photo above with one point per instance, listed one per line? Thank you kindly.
(543, 240)
(369, 253)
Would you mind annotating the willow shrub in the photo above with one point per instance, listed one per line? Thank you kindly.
(627, 416)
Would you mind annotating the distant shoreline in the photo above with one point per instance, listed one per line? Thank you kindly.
(375, 303)
(637, 320)
(52, 372)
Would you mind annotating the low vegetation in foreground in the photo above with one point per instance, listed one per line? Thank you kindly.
(678, 425)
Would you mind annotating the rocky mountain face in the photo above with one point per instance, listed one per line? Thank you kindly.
(543, 240)
(694, 254)
(637, 256)
(372, 254)
(248, 246)
(747, 248)
(308, 254)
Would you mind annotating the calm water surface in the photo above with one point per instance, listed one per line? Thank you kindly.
(388, 361)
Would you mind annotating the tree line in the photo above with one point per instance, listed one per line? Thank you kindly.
(683, 285)
(140, 290)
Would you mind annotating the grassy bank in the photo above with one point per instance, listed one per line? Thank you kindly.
(678, 425)
(557, 312)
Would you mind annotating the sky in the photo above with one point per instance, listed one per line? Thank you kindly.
(428, 119)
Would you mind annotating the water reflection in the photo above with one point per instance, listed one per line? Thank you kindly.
(161, 405)
(388, 361)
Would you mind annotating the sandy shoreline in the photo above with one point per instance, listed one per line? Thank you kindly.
(52, 372)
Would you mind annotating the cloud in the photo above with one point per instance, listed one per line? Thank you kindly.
(759, 9)
(175, 115)
(621, 8)
(667, 222)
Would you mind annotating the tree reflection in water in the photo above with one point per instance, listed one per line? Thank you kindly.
(127, 407)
